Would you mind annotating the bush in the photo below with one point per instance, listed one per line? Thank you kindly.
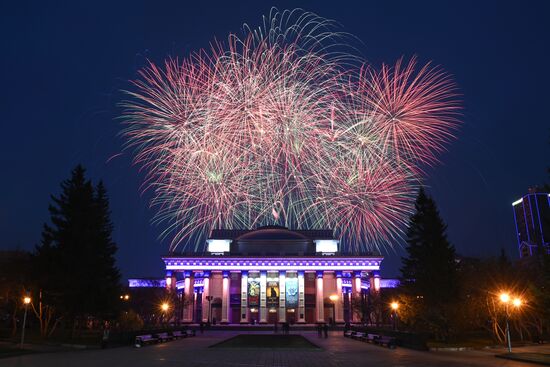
(130, 321)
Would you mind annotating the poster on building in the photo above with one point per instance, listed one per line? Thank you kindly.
(291, 292)
(272, 294)
(253, 292)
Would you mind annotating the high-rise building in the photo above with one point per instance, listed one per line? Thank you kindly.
(532, 217)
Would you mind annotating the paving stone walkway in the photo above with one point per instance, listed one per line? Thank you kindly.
(335, 351)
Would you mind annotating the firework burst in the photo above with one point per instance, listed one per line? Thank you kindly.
(281, 127)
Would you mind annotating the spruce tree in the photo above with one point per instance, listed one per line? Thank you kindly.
(429, 272)
(105, 251)
(76, 255)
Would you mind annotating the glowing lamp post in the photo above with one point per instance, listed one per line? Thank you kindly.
(26, 301)
(333, 298)
(394, 306)
(516, 302)
(164, 307)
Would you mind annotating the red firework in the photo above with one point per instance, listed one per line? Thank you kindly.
(275, 128)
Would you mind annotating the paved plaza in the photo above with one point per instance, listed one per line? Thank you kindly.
(334, 351)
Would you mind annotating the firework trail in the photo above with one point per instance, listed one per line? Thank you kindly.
(282, 127)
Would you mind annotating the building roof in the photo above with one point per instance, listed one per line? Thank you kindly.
(272, 233)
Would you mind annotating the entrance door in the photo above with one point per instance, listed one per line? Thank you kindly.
(254, 316)
(272, 317)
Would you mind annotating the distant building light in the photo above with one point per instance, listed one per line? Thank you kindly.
(326, 246)
(218, 246)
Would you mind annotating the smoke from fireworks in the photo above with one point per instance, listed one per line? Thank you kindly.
(282, 127)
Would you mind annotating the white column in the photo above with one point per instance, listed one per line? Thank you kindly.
(319, 298)
(374, 280)
(301, 298)
(205, 293)
(244, 297)
(282, 296)
(339, 304)
(356, 296)
(263, 295)
(170, 281)
(225, 298)
(189, 300)
(195, 306)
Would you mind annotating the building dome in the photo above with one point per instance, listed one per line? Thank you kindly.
(272, 233)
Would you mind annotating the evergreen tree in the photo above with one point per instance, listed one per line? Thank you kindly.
(76, 255)
(429, 272)
(106, 250)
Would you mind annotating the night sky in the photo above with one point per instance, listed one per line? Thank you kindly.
(63, 66)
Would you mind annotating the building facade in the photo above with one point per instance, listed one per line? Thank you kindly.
(272, 274)
(532, 219)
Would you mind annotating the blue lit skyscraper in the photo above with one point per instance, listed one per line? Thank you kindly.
(532, 217)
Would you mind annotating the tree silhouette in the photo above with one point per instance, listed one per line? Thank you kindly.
(429, 272)
(74, 264)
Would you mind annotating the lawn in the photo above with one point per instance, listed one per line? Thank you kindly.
(266, 341)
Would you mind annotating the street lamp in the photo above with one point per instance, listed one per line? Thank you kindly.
(394, 306)
(164, 307)
(26, 301)
(333, 298)
(516, 302)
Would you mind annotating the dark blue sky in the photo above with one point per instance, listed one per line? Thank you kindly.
(63, 66)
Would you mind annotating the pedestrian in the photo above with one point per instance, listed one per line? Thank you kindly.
(201, 326)
(319, 330)
(105, 336)
(325, 330)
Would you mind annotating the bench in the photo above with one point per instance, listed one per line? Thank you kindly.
(359, 336)
(191, 332)
(371, 338)
(388, 341)
(163, 337)
(144, 339)
(179, 334)
(349, 334)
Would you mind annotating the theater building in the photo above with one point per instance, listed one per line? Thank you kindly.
(271, 274)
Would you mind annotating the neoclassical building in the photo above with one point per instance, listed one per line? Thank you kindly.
(271, 274)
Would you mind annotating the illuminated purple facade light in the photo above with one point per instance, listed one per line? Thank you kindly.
(389, 283)
(352, 264)
(147, 283)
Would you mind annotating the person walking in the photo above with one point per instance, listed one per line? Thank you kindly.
(105, 336)
(325, 330)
